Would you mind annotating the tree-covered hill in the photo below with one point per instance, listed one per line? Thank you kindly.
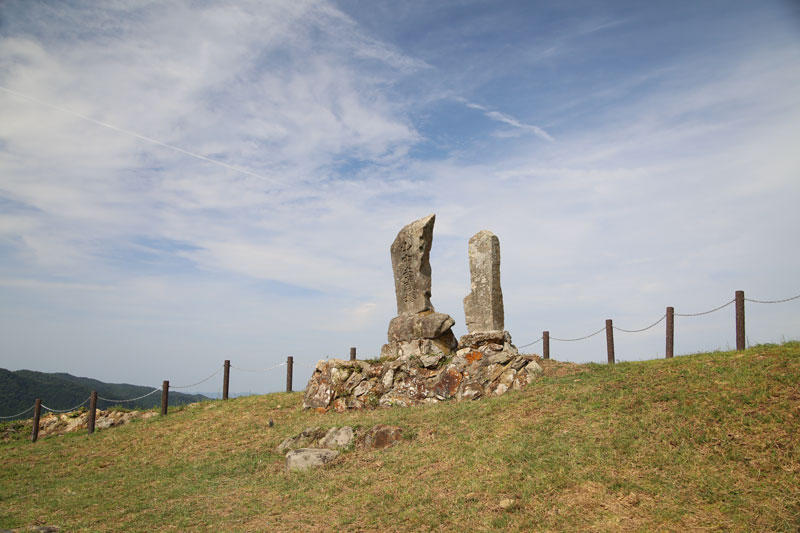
(19, 389)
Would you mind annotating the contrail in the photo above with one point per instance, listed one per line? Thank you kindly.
(139, 136)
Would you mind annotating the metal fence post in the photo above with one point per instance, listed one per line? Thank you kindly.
(740, 338)
(610, 341)
(289, 365)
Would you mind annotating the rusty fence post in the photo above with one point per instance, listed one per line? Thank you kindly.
(740, 338)
(353, 353)
(670, 331)
(546, 345)
(610, 341)
(289, 365)
(92, 412)
(37, 411)
(225, 377)
(164, 396)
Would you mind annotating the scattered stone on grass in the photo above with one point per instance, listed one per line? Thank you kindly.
(314, 442)
(337, 438)
(304, 458)
(58, 424)
(305, 439)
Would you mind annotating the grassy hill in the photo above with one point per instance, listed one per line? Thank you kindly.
(708, 441)
(20, 388)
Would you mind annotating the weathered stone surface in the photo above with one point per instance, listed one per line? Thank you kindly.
(417, 330)
(447, 384)
(493, 348)
(337, 438)
(304, 458)
(430, 361)
(380, 436)
(480, 338)
(315, 437)
(500, 358)
(428, 325)
(445, 344)
(483, 306)
(321, 396)
(471, 391)
(469, 374)
(304, 439)
(60, 423)
(363, 388)
(410, 253)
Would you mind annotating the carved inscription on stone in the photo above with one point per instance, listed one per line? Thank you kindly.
(410, 253)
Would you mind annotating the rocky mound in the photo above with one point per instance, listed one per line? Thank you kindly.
(488, 370)
(58, 424)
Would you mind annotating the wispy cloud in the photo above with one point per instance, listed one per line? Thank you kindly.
(509, 120)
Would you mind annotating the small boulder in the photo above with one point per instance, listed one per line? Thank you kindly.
(500, 358)
(306, 438)
(362, 388)
(337, 438)
(428, 325)
(388, 379)
(304, 458)
(430, 361)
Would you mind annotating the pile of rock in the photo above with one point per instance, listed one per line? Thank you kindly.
(315, 446)
(409, 380)
(56, 424)
(423, 362)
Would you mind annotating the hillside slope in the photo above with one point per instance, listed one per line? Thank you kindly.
(707, 441)
(20, 388)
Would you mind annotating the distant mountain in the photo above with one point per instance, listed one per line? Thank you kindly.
(19, 389)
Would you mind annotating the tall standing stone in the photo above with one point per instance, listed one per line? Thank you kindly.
(417, 329)
(411, 263)
(483, 306)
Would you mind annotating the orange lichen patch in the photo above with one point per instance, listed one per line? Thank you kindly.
(448, 383)
(473, 356)
(321, 410)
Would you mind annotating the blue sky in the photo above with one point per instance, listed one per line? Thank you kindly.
(187, 182)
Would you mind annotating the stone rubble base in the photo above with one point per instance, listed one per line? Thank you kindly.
(417, 377)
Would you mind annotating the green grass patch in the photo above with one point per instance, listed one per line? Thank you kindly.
(707, 441)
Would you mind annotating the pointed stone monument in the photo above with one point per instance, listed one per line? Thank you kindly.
(483, 306)
(417, 329)
(420, 363)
